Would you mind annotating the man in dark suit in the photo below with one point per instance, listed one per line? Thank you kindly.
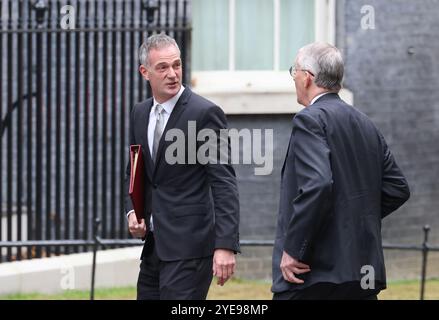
(339, 180)
(192, 211)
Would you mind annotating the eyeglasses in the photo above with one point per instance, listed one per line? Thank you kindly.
(293, 71)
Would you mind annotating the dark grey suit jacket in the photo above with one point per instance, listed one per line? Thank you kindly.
(195, 207)
(339, 180)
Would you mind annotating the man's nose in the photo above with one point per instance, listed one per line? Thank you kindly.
(171, 72)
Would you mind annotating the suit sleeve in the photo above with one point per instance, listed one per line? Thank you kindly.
(314, 183)
(222, 180)
(394, 189)
(128, 202)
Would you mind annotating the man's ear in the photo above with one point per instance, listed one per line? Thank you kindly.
(144, 72)
(307, 80)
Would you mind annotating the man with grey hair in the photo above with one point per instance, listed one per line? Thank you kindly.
(192, 209)
(339, 179)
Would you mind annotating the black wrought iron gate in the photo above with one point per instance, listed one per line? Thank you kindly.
(69, 77)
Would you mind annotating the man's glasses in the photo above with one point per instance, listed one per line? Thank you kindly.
(293, 71)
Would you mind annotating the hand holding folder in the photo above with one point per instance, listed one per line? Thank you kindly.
(137, 181)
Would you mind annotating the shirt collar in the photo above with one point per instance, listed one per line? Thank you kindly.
(318, 96)
(170, 104)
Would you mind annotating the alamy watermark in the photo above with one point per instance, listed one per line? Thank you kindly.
(368, 18)
(224, 146)
(368, 280)
(68, 21)
(67, 281)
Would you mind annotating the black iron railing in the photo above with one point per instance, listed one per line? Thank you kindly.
(99, 242)
(65, 99)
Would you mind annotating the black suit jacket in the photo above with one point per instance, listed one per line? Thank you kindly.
(338, 181)
(195, 207)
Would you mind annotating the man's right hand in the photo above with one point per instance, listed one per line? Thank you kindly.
(137, 230)
(291, 267)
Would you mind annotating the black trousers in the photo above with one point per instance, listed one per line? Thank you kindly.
(173, 280)
(329, 291)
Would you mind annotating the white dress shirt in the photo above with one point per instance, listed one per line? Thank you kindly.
(168, 106)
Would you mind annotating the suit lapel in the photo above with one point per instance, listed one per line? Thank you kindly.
(144, 134)
(172, 121)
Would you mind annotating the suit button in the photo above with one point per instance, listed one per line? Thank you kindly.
(155, 186)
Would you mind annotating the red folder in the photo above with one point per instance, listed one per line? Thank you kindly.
(137, 181)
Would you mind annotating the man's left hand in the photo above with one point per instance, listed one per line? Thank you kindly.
(223, 265)
(290, 267)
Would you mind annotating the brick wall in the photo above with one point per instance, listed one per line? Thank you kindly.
(392, 71)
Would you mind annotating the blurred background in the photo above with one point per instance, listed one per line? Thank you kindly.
(69, 77)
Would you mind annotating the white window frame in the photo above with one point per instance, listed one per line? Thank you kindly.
(242, 92)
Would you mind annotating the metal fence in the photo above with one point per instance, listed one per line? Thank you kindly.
(65, 99)
(98, 242)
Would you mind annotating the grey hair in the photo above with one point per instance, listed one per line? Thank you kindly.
(156, 41)
(325, 62)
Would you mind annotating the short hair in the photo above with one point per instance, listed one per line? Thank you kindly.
(325, 62)
(156, 41)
